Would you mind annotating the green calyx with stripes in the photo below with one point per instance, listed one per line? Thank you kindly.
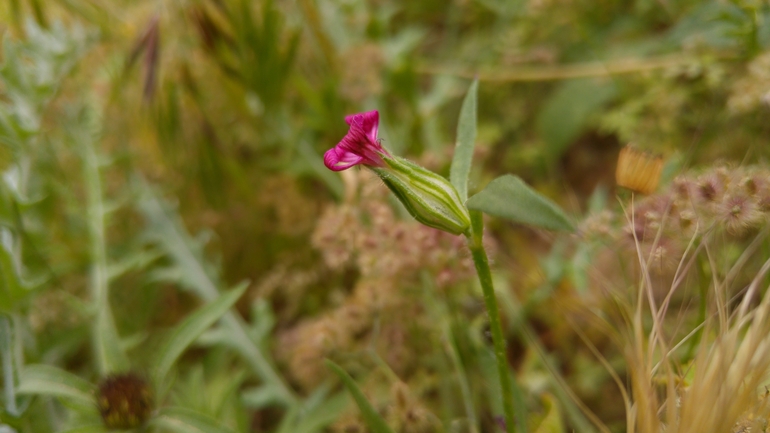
(428, 197)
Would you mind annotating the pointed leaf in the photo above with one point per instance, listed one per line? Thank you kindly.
(466, 141)
(184, 420)
(168, 231)
(47, 380)
(191, 328)
(568, 110)
(108, 343)
(373, 419)
(12, 287)
(261, 396)
(509, 197)
(326, 413)
(552, 422)
(7, 359)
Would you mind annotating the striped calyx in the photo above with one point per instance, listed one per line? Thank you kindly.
(428, 197)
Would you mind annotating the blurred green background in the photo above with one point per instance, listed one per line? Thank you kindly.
(156, 153)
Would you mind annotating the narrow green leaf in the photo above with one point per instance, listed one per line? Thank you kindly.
(195, 274)
(261, 396)
(568, 110)
(509, 197)
(466, 141)
(373, 419)
(11, 287)
(326, 413)
(191, 328)
(179, 419)
(47, 380)
(108, 343)
(9, 370)
(552, 422)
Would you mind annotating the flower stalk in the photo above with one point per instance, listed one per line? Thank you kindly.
(480, 260)
(433, 201)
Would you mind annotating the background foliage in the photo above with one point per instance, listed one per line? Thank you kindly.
(164, 208)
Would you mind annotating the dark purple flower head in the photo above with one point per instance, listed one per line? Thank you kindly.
(359, 146)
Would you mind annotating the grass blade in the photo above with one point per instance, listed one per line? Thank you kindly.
(169, 233)
(47, 380)
(191, 328)
(183, 420)
(373, 419)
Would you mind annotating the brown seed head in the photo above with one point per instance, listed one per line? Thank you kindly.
(638, 171)
(125, 401)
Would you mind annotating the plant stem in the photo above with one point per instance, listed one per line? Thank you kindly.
(485, 278)
(564, 72)
(110, 356)
(6, 356)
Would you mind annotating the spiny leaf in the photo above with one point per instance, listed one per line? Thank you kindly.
(509, 197)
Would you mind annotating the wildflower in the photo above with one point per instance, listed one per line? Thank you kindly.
(712, 187)
(359, 146)
(125, 401)
(739, 213)
(638, 171)
(428, 197)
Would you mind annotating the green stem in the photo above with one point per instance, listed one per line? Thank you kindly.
(6, 356)
(109, 355)
(485, 278)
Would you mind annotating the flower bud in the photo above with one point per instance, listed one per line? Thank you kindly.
(428, 197)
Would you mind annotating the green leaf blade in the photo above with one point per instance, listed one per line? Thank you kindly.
(191, 328)
(181, 420)
(373, 419)
(568, 111)
(510, 198)
(47, 380)
(466, 141)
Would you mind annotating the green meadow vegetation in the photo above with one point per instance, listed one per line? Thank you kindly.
(175, 256)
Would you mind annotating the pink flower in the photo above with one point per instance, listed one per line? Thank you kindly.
(359, 146)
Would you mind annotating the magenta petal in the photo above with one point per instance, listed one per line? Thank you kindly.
(359, 145)
(368, 121)
(336, 159)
